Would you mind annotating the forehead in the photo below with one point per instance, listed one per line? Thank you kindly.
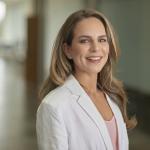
(89, 26)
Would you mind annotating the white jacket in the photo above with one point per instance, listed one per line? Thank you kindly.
(67, 119)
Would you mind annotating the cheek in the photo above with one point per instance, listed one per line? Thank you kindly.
(78, 53)
(106, 53)
(106, 49)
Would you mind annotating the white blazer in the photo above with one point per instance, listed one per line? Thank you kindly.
(67, 119)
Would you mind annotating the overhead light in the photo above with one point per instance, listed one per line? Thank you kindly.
(2, 10)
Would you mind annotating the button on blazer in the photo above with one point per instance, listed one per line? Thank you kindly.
(67, 119)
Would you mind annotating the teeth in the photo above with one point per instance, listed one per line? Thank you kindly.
(94, 58)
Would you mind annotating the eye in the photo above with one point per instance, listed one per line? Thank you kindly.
(102, 40)
(84, 40)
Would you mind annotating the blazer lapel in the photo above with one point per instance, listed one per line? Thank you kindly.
(90, 109)
(87, 105)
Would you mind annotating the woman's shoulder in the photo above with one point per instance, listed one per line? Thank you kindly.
(55, 98)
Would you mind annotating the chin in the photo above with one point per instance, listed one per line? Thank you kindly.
(91, 71)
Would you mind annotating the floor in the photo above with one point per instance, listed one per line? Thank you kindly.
(18, 110)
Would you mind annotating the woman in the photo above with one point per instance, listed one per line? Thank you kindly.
(83, 106)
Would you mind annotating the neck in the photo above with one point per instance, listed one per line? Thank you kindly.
(88, 82)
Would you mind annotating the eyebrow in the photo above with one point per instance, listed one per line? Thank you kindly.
(87, 36)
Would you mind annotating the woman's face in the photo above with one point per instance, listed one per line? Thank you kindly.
(89, 49)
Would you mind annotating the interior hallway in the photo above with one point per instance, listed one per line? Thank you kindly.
(18, 112)
(17, 109)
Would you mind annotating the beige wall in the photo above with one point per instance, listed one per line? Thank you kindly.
(130, 20)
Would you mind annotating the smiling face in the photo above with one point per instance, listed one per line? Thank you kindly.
(89, 48)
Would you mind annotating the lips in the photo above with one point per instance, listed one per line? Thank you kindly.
(94, 59)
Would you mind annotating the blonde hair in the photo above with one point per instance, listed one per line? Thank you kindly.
(61, 67)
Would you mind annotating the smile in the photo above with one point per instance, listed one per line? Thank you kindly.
(94, 59)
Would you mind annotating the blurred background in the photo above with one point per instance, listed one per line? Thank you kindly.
(28, 29)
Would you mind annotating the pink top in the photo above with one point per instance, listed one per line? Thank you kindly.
(112, 129)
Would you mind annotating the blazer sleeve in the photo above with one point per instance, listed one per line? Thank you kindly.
(50, 128)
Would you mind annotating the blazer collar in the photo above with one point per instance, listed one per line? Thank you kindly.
(88, 106)
(74, 86)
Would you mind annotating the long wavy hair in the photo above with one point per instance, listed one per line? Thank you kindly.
(61, 67)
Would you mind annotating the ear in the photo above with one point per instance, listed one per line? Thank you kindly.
(67, 49)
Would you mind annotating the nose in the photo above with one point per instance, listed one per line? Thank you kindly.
(95, 46)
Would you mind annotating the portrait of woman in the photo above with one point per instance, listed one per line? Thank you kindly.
(83, 105)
